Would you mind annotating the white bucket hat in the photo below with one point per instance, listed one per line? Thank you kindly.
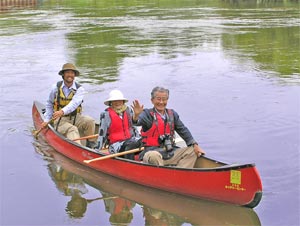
(115, 95)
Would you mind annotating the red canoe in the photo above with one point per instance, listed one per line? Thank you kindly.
(192, 211)
(209, 179)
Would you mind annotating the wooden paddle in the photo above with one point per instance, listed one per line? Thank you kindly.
(87, 137)
(101, 198)
(114, 155)
(178, 139)
(35, 133)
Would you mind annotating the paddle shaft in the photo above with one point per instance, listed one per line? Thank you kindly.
(36, 133)
(122, 153)
(101, 198)
(114, 155)
(86, 137)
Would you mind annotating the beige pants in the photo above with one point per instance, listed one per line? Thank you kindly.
(84, 126)
(183, 157)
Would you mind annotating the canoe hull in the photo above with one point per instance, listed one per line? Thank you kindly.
(236, 184)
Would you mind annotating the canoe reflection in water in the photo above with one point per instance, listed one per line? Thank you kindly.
(120, 209)
(120, 197)
(70, 184)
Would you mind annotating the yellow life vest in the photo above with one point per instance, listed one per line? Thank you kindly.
(60, 100)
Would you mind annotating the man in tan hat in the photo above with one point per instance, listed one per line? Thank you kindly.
(116, 127)
(64, 107)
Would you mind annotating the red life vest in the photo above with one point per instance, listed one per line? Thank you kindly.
(120, 128)
(121, 205)
(159, 127)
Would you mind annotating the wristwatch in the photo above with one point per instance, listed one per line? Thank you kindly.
(192, 144)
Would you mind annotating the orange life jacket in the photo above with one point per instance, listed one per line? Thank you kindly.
(159, 127)
(120, 205)
(120, 128)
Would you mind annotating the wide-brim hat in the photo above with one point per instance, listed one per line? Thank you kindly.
(69, 66)
(115, 95)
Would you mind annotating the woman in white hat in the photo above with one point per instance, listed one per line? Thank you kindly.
(116, 127)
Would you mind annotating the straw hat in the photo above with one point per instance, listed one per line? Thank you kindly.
(68, 66)
(115, 95)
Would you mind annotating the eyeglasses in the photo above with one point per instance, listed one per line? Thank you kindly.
(163, 99)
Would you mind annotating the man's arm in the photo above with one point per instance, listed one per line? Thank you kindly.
(182, 130)
(141, 116)
(145, 120)
(186, 135)
(49, 103)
